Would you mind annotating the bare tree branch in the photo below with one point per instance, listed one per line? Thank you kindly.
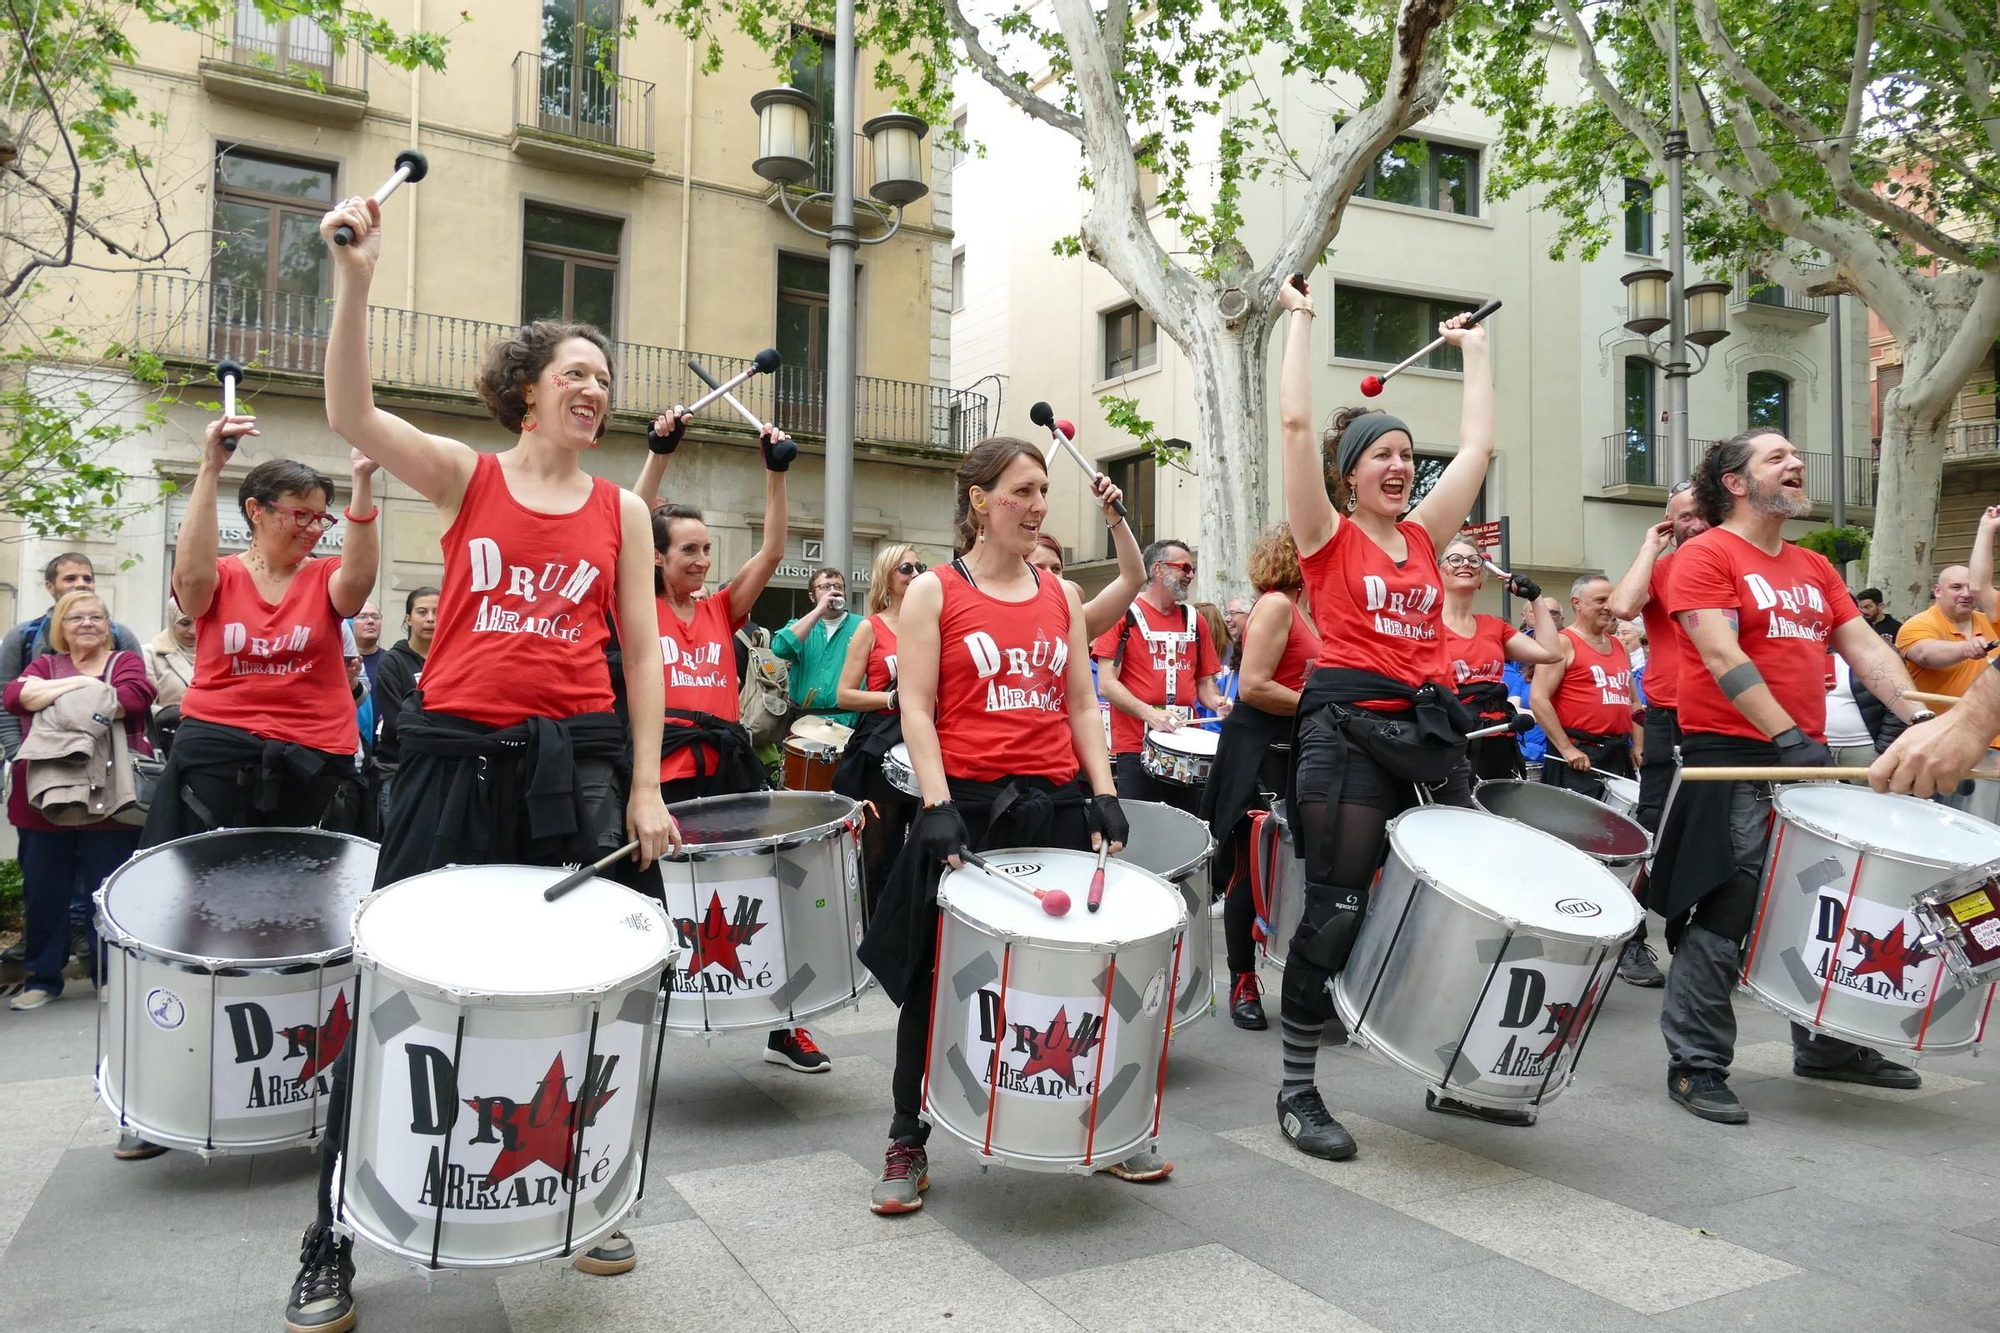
(1007, 84)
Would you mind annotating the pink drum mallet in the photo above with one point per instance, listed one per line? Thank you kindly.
(1054, 901)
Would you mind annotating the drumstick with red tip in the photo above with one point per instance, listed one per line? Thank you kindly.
(1096, 898)
(1054, 901)
(1371, 385)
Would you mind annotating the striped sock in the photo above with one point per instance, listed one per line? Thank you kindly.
(1301, 1042)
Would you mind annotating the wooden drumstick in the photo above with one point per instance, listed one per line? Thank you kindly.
(1775, 774)
(1054, 901)
(1935, 700)
(576, 877)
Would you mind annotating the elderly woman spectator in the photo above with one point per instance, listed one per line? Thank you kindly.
(169, 662)
(58, 858)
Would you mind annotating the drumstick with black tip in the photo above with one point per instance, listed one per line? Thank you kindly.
(411, 166)
(1096, 898)
(229, 374)
(1372, 385)
(782, 451)
(582, 873)
(1062, 433)
(1054, 901)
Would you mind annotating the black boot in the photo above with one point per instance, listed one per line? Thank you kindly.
(1304, 1119)
(323, 1292)
(1246, 1002)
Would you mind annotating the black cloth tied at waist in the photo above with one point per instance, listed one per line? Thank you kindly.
(736, 766)
(874, 736)
(275, 776)
(1696, 853)
(1020, 812)
(1419, 745)
(1235, 778)
(1487, 699)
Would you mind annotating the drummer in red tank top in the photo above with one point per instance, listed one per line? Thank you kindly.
(868, 689)
(1477, 648)
(1373, 581)
(516, 755)
(1584, 702)
(992, 663)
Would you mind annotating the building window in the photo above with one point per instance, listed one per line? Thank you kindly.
(281, 44)
(579, 92)
(812, 72)
(801, 341)
(1641, 411)
(1134, 475)
(1387, 326)
(958, 281)
(569, 267)
(1429, 468)
(1423, 174)
(1131, 341)
(1768, 398)
(270, 268)
(1638, 218)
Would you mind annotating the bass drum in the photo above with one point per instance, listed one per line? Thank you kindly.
(1177, 847)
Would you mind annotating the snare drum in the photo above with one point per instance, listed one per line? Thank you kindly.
(1485, 955)
(229, 991)
(1177, 847)
(1282, 872)
(1613, 841)
(1048, 1040)
(1621, 794)
(1836, 945)
(765, 900)
(1183, 756)
(899, 772)
(504, 1065)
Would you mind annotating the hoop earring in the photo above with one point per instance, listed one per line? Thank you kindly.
(1352, 500)
(528, 421)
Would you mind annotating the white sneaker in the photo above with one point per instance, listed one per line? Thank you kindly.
(32, 998)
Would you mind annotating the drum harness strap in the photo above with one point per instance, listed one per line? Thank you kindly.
(1174, 642)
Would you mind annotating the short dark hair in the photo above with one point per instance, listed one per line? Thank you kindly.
(54, 567)
(822, 572)
(279, 476)
(512, 364)
(1153, 552)
(410, 602)
(664, 515)
(1869, 595)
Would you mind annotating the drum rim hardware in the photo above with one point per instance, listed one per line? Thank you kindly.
(1941, 931)
(1464, 899)
(1179, 872)
(963, 912)
(1854, 842)
(789, 841)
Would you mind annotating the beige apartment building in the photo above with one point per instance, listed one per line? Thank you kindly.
(552, 191)
(1579, 473)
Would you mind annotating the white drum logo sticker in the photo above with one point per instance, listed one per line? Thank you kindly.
(1533, 1016)
(1579, 907)
(1051, 1047)
(732, 941)
(1156, 990)
(1873, 952)
(165, 1008)
(276, 1051)
(511, 1110)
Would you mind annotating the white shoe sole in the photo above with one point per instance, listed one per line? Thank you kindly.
(780, 1058)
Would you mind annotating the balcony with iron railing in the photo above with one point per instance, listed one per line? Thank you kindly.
(289, 65)
(435, 359)
(1971, 439)
(1755, 294)
(569, 113)
(1635, 464)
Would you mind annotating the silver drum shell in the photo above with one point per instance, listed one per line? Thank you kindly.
(1177, 847)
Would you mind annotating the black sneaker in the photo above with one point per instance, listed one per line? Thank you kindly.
(1246, 1002)
(1865, 1067)
(1492, 1115)
(1638, 965)
(323, 1293)
(1707, 1094)
(1311, 1127)
(793, 1048)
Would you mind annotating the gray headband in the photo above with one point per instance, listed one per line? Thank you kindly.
(1361, 432)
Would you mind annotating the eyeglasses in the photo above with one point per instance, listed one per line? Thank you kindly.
(1680, 486)
(317, 520)
(369, 615)
(1460, 562)
(1185, 567)
(909, 569)
(85, 618)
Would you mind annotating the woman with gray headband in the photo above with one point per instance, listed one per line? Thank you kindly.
(1373, 719)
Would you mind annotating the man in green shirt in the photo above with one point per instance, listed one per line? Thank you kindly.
(816, 646)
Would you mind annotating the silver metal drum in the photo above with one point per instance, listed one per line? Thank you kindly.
(1619, 844)
(1280, 871)
(1048, 1042)
(899, 771)
(229, 991)
(1982, 801)
(1621, 794)
(1836, 945)
(504, 1066)
(766, 906)
(1176, 846)
(1484, 957)
(1182, 757)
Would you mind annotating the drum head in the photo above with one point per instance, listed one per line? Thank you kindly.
(246, 895)
(1579, 821)
(1901, 826)
(1166, 841)
(899, 753)
(1188, 740)
(1137, 903)
(753, 818)
(487, 930)
(1509, 870)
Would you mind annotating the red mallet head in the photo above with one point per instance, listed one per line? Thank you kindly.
(1055, 902)
(1371, 386)
(1068, 428)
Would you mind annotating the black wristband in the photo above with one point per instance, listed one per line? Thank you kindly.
(666, 444)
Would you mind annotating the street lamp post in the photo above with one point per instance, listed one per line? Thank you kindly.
(1695, 316)
(894, 141)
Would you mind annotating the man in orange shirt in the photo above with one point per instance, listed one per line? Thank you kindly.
(1947, 645)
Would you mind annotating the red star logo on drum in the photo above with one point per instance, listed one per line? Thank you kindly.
(544, 1130)
(1569, 1021)
(1056, 1050)
(1886, 954)
(718, 939)
(329, 1042)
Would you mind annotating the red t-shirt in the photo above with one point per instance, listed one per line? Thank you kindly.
(699, 658)
(1663, 641)
(1787, 607)
(524, 615)
(1479, 656)
(1596, 691)
(273, 671)
(1163, 644)
(1374, 614)
(1300, 651)
(880, 677)
(1002, 706)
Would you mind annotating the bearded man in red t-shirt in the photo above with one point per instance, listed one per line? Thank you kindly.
(1758, 616)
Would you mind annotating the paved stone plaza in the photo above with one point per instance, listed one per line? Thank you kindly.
(1835, 1208)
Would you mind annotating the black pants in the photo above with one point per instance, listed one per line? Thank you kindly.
(1494, 758)
(1656, 770)
(1134, 783)
(1229, 878)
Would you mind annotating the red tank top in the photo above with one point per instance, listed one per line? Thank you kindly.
(699, 658)
(1596, 691)
(881, 677)
(1374, 614)
(522, 621)
(1479, 656)
(1002, 710)
(273, 671)
(1301, 649)
(1663, 653)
